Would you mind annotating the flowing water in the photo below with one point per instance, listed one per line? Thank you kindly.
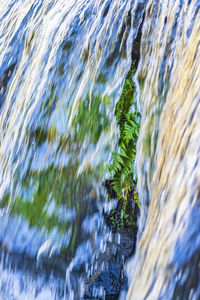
(62, 69)
(167, 260)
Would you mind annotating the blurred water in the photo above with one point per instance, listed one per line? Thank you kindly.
(167, 260)
(62, 68)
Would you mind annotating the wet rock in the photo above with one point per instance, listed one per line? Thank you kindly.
(111, 280)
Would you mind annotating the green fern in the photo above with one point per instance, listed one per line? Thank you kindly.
(129, 125)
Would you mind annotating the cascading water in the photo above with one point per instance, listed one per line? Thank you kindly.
(62, 68)
(167, 261)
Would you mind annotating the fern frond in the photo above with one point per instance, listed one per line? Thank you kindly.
(122, 165)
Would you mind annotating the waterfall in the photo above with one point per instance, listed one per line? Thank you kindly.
(167, 260)
(62, 68)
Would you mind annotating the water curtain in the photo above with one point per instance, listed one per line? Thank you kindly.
(62, 69)
(166, 264)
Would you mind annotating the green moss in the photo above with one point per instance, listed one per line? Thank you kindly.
(91, 119)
